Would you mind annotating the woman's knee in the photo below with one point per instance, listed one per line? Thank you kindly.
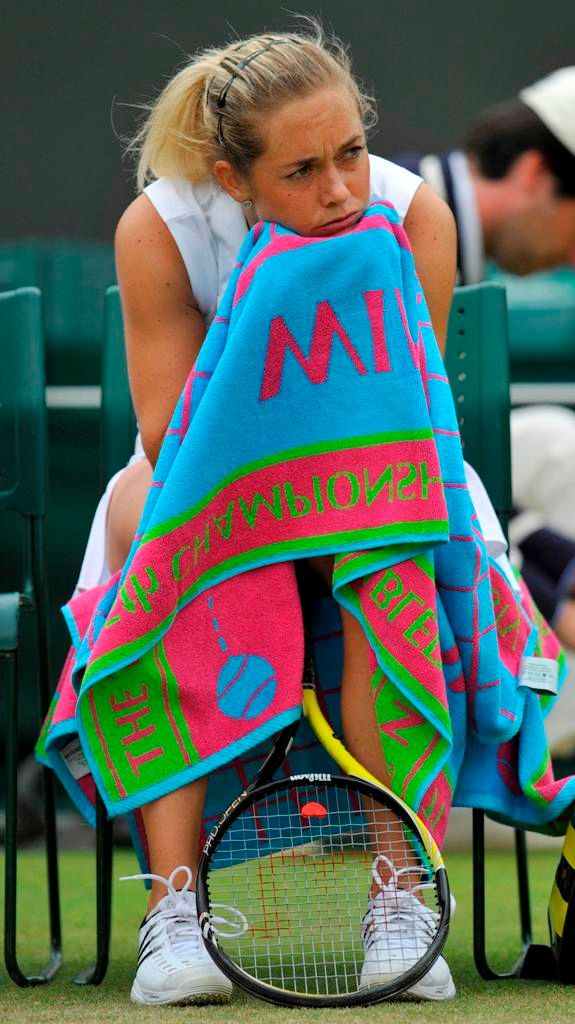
(125, 510)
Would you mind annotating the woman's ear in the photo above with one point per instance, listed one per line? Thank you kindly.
(230, 181)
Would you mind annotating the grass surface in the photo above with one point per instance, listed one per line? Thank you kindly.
(478, 1001)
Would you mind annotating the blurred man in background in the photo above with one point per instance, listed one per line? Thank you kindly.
(512, 188)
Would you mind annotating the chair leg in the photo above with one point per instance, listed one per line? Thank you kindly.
(523, 883)
(11, 855)
(96, 973)
(535, 962)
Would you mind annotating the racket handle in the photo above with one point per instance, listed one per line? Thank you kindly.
(309, 676)
(275, 757)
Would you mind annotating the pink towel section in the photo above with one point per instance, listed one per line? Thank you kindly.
(147, 726)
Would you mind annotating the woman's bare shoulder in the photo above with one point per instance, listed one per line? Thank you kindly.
(141, 226)
(428, 211)
(146, 253)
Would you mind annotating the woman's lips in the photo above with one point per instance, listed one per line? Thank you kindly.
(340, 224)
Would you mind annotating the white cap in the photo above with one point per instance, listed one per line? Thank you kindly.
(553, 100)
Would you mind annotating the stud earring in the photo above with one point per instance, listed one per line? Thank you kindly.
(247, 204)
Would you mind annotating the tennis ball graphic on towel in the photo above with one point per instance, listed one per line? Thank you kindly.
(246, 686)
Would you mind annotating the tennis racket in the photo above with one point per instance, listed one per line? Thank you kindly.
(334, 891)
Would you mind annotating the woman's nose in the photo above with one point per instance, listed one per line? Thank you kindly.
(333, 187)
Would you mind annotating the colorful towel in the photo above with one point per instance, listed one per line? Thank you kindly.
(318, 419)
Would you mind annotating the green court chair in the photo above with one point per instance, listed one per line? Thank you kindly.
(477, 361)
(541, 310)
(23, 491)
(20, 265)
(75, 275)
(72, 276)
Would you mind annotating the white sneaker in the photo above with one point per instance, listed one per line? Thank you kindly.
(396, 931)
(174, 966)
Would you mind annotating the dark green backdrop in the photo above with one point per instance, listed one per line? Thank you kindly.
(432, 64)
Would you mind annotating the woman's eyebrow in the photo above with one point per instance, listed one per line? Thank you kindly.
(312, 159)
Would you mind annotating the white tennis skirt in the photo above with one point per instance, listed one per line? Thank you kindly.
(94, 569)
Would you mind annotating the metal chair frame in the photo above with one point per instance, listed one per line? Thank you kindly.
(23, 490)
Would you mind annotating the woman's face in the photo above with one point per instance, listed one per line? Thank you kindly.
(313, 175)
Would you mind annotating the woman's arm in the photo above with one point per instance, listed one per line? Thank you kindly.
(164, 328)
(430, 227)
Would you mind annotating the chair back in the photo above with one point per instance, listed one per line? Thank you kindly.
(20, 266)
(75, 275)
(72, 276)
(477, 362)
(118, 418)
(22, 403)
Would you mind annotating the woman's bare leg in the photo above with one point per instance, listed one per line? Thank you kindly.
(172, 826)
(173, 821)
(125, 510)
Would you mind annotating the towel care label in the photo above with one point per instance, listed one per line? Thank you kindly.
(76, 763)
(539, 674)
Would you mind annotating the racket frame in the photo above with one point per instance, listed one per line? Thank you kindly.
(261, 786)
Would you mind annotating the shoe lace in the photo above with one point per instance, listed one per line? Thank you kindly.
(180, 920)
(397, 909)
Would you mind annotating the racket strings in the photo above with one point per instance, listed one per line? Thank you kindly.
(317, 871)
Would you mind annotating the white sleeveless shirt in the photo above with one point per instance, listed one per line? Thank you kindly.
(208, 226)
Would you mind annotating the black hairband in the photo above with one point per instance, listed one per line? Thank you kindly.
(235, 73)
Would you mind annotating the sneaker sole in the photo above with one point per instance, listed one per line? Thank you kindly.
(418, 993)
(182, 996)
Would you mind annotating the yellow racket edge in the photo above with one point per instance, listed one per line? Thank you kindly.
(351, 766)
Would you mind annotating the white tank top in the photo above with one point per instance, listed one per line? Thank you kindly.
(209, 226)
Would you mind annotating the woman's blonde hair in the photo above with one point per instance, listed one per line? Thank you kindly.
(213, 108)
